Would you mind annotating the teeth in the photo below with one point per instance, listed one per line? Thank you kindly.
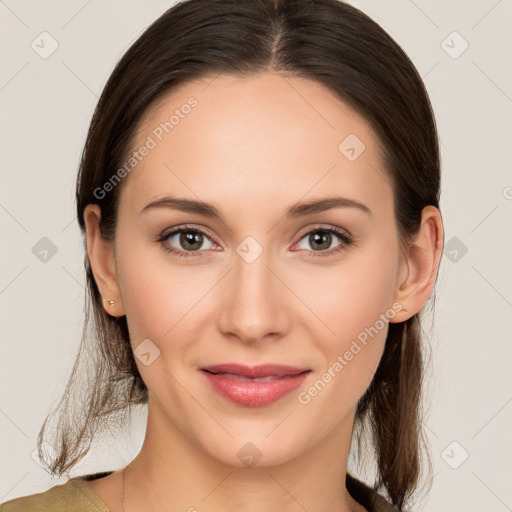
(250, 379)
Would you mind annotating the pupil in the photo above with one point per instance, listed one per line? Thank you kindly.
(189, 238)
(322, 235)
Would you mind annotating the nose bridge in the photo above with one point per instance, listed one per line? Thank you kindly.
(254, 305)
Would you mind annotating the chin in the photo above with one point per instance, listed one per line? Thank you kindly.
(254, 451)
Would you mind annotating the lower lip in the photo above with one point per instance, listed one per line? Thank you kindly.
(254, 394)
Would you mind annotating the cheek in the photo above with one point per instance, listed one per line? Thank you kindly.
(352, 296)
(161, 298)
(354, 305)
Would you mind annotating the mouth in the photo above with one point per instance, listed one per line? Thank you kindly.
(254, 386)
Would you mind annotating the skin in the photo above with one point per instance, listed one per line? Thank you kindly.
(253, 147)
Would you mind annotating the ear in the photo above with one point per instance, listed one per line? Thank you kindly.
(102, 258)
(419, 265)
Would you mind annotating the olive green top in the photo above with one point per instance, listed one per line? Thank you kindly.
(76, 496)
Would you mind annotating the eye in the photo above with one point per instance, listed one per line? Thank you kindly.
(188, 241)
(322, 238)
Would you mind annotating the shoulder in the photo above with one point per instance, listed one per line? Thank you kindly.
(72, 496)
(366, 496)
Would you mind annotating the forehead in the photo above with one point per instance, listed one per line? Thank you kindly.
(263, 137)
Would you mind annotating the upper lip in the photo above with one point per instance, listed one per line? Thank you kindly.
(262, 370)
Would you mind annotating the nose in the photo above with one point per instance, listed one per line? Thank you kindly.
(255, 303)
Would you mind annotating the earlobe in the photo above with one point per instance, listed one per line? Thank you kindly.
(101, 257)
(420, 264)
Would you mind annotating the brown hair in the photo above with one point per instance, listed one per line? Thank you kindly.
(326, 41)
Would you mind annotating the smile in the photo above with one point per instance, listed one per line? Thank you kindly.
(254, 386)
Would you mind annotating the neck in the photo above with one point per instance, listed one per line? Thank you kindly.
(171, 473)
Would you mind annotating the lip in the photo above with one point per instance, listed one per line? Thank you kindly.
(238, 382)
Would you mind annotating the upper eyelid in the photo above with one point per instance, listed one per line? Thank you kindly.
(173, 231)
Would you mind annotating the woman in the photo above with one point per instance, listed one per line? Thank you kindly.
(259, 194)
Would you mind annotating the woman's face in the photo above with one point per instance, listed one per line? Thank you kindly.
(256, 285)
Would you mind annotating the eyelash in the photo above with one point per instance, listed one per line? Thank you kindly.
(345, 238)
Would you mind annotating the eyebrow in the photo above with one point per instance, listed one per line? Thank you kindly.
(295, 211)
(318, 206)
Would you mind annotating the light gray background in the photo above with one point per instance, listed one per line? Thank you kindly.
(46, 105)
